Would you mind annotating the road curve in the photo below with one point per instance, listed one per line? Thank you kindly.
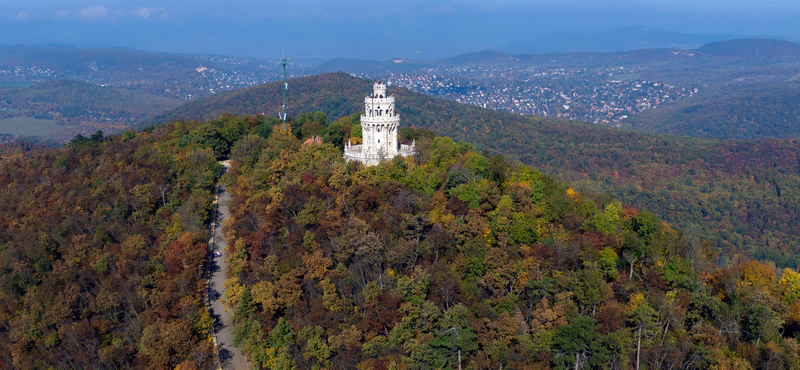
(230, 357)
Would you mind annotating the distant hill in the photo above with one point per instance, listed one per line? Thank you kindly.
(483, 57)
(767, 48)
(616, 40)
(348, 65)
(494, 57)
(75, 60)
(367, 66)
(178, 76)
(572, 60)
(76, 98)
(717, 188)
(732, 61)
(729, 112)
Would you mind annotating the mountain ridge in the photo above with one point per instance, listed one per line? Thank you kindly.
(618, 40)
(742, 50)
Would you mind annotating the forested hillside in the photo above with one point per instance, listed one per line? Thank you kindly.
(102, 245)
(73, 102)
(740, 195)
(728, 112)
(450, 257)
(336, 94)
(453, 259)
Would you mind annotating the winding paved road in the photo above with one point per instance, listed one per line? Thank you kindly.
(231, 358)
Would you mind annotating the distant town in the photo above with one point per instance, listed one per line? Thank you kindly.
(603, 96)
(599, 95)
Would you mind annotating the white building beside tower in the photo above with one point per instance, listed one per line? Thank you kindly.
(379, 125)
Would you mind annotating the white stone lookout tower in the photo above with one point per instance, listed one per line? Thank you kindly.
(378, 130)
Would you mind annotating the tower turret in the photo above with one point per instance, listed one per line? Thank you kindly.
(379, 123)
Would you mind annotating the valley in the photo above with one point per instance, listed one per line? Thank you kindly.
(602, 88)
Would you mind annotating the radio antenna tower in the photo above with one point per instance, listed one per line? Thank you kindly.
(284, 62)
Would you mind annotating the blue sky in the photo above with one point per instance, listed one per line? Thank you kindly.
(368, 29)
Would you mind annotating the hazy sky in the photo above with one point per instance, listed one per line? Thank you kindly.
(368, 29)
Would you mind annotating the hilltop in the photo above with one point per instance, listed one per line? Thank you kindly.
(453, 258)
(717, 188)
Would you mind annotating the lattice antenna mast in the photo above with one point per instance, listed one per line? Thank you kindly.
(284, 63)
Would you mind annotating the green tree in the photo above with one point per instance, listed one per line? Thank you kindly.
(498, 169)
(316, 346)
(590, 289)
(455, 339)
(643, 319)
(355, 130)
(578, 345)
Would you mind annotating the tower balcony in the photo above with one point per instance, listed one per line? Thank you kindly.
(380, 119)
(379, 101)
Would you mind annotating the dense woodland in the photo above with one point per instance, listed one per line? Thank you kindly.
(102, 244)
(459, 258)
(453, 256)
(742, 196)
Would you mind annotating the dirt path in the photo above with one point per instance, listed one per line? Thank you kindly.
(231, 358)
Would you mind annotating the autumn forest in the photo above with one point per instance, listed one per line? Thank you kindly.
(454, 258)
